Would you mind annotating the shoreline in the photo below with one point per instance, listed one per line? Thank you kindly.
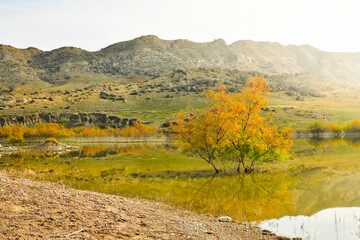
(43, 210)
(299, 134)
(95, 139)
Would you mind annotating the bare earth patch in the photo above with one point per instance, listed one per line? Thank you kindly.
(42, 210)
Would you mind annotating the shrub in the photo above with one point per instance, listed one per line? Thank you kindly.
(16, 134)
(354, 126)
(318, 126)
(49, 130)
(334, 127)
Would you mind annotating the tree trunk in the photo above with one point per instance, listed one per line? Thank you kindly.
(238, 167)
(213, 165)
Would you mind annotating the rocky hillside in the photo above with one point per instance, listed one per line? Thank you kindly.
(68, 119)
(151, 56)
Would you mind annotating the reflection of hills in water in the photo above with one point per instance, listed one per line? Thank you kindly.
(328, 224)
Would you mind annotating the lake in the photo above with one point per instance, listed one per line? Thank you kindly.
(305, 197)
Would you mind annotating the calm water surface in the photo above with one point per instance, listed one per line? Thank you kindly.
(316, 199)
(328, 224)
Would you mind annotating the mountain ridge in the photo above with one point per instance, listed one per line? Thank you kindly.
(150, 55)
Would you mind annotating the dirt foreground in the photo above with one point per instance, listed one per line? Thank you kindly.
(42, 210)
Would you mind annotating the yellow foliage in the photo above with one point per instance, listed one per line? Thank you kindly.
(94, 132)
(137, 130)
(49, 130)
(17, 133)
(322, 126)
(353, 126)
(233, 127)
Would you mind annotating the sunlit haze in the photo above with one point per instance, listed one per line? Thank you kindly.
(330, 25)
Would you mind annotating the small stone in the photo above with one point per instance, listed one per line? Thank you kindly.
(3, 179)
(225, 219)
(283, 238)
(267, 232)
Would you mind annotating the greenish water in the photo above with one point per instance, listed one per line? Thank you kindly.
(322, 175)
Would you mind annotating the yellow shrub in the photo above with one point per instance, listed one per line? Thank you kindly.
(353, 126)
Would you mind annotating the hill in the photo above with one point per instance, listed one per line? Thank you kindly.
(151, 79)
(151, 56)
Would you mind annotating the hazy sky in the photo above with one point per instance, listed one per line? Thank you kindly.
(331, 25)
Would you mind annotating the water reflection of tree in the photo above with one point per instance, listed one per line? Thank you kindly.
(18, 159)
(245, 197)
(106, 150)
(352, 142)
(322, 143)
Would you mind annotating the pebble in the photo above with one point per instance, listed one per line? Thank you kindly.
(225, 219)
(3, 179)
(283, 238)
(267, 232)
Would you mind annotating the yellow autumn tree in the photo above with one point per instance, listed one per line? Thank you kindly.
(252, 137)
(203, 133)
(233, 127)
